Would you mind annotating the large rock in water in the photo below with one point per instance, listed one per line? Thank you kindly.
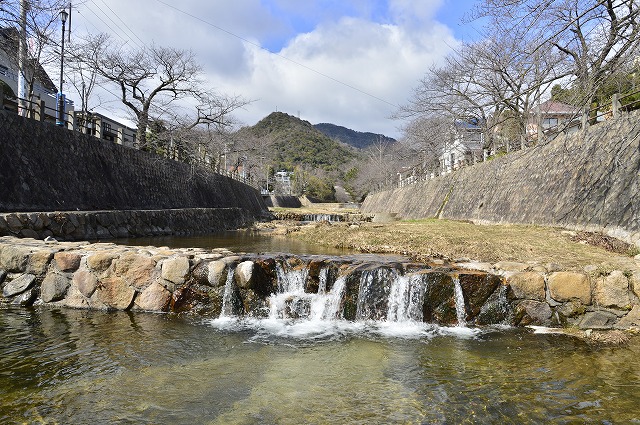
(54, 287)
(527, 286)
(18, 285)
(154, 298)
(115, 293)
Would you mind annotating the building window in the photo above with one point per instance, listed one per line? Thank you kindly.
(4, 70)
(549, 122)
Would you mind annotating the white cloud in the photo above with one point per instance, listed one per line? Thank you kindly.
(383, 58)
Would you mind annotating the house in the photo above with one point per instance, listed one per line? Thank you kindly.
(105, 128)
(43, 88)
(553, 117)
(465, 147)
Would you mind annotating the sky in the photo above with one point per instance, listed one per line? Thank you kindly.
(345, 62)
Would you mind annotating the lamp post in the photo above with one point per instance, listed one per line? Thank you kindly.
(60, 121)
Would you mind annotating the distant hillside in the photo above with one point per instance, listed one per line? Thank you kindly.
(294, 142)
(353, 138)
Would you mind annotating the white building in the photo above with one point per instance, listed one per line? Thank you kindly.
(465, 147)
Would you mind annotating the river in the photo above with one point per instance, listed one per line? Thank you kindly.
(90, 367)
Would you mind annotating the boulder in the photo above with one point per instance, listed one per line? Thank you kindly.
(567, 286)
(85, 282)
(527, 285)
(477, 287)
(54, 287)
(18, 285)
(115, 293)
(39, 262)
(598, 320)
(67, 261)
(612, 290)
(217, 275)
(244, 273)
(26, 298)
(631, 320)
(135, 269)
(14, 258)
(530, 312)
(154, 298)
(175, 269)
(635, 283)
(100, 261)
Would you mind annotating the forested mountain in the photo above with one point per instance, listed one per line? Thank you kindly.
(353, 138)
(294, 142)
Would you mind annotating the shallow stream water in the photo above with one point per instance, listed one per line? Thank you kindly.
(88, 367)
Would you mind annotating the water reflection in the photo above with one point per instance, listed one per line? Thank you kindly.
(67, 366)
(237, 241)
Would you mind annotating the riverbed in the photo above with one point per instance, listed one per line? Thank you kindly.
(72, 366)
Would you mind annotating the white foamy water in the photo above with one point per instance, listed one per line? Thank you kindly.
(459, 297)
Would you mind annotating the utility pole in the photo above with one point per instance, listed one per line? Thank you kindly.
(22, 59)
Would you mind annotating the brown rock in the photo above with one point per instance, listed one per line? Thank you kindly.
(115, 293)
(67, 261)
(100, 261)
(14, 258)
(86, 282)
(154, 298)
(175, 269)
(135, 269)
(635, 283)
(567, 286)
(54, 287)
(612, 290)
(527, 285)
(39, 262)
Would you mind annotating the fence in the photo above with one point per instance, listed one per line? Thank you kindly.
(589, 116)
(96, 125)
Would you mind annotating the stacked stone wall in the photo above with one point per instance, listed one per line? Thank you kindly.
(113, 277)
(49, 168)
(586, 181)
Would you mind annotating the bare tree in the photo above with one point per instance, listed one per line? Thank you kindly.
(595, 37)
(152, 79)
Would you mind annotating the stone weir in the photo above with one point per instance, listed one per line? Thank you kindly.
(220, 283)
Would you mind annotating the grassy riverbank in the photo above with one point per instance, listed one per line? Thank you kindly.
(491, 243)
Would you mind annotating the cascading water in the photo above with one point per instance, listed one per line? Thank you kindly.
(459, 298)
(227, 297)
(406, 298)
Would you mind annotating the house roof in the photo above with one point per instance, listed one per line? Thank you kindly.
(552, 107)
(9, 44)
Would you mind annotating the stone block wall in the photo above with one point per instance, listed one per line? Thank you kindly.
(91, 225)
(48, 168)
(586, 181)
(113, 277)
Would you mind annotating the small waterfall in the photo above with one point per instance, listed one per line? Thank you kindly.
(227, 297)
(373, 293)
(291, 280)
(326, 306)
(406, 298)
(459, 298)
(322, 217)
(322, 280)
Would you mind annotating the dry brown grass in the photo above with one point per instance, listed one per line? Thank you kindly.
(454, 240)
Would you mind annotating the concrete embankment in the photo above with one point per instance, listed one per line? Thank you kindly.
(586, 181)
(112, 277)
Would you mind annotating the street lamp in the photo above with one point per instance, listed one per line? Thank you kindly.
(60, 121)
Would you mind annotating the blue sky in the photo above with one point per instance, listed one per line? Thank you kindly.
(348, 62)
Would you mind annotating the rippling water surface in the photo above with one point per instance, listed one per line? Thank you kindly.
(81, 367)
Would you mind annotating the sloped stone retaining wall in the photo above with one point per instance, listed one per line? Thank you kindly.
(91, 225)
(108, 276)
(585, 181)
(49, 168)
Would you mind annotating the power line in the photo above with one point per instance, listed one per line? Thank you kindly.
(123, 22)
(277, 54)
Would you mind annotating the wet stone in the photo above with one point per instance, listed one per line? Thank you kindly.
(18, 285)
(54, 287)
